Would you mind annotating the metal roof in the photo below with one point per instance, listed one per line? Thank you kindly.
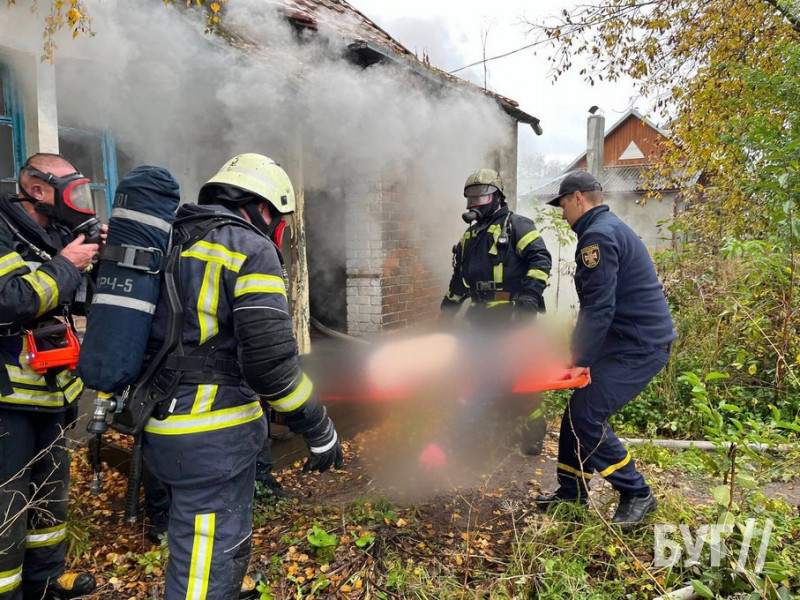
(615, 180)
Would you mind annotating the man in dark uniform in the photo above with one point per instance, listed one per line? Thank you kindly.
(502, 266)
(42, 280)
(621, 341)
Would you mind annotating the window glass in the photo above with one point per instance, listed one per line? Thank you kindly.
(3, 107)
(100, 206)
(85, 151)
(7, 170)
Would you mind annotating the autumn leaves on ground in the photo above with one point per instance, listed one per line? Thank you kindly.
(355, 534)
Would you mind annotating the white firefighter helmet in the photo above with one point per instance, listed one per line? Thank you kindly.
(259, 175)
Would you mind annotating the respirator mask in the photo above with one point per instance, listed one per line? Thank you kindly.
(73, 205)
(480, 202)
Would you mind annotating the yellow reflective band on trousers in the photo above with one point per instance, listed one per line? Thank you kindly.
(619, 465)
(10, 580)
(527, 239)
(210, 421)
(301, 393)
(37, 538)
(202, 549)
(204, 398)
(208, 302)
(253, 284)
(494, 303)
(572, 471)
(46, 289)
(11, 262)
(537, 274)
(454, 297)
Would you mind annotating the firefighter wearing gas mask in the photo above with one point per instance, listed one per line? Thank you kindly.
(238, 352)
(44, 257)
(501, 266)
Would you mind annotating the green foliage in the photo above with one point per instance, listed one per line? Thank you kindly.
(153, 559)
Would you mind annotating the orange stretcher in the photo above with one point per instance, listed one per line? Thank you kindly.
(529, 384)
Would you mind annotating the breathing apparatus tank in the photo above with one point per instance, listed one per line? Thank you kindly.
(128, 282)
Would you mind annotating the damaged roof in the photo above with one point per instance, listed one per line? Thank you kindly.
(373, 43)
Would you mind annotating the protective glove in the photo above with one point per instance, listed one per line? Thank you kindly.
(324, 448)
(525, 306)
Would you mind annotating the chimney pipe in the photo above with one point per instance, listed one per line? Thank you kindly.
(596, 128)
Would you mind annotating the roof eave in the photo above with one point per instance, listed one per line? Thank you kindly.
(373, 52)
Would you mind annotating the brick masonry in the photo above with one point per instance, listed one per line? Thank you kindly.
(391, 283)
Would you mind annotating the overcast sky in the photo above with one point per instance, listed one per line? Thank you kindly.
(450, 32)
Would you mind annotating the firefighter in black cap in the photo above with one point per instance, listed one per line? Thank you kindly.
(501, 265)
(43, 265)
(621, 341)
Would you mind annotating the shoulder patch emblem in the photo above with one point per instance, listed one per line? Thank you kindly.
(590, 255)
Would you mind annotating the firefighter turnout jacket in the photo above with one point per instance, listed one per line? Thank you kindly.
(36, 285)
(499, 264)
(204, 440)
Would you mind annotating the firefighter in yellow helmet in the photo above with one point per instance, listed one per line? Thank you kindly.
(238, 354)
(501, 265)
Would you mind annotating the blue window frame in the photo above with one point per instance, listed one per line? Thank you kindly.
(95, 155)
(12, 131)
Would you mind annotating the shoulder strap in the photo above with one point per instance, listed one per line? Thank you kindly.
(190, 229)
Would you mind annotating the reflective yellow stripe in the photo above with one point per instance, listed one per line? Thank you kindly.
(495, 231)
(204, 398)
(38, 538)
(537, 274)
(74, 390)
(26, 398)
(11, 262)
(210, 421)
(296, 398)
(619, 465)
(208, 301)
(497, 303)
(251, 284)
(569, 469)
(10, 580)
(46, 288)
(498, 273)
(454, 297)
(202, 550)
(217, 254)
(527, 239)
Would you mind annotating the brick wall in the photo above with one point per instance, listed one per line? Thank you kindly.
(391, 283)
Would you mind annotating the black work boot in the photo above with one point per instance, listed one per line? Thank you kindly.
(548, 502)
(70, 585)
(249, 589)
(632, 510)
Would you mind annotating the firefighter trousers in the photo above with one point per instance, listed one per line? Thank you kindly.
(209, 538)
(586, 442)
(34, 482)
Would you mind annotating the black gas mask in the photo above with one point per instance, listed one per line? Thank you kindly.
(73, 205)
(482, 202)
